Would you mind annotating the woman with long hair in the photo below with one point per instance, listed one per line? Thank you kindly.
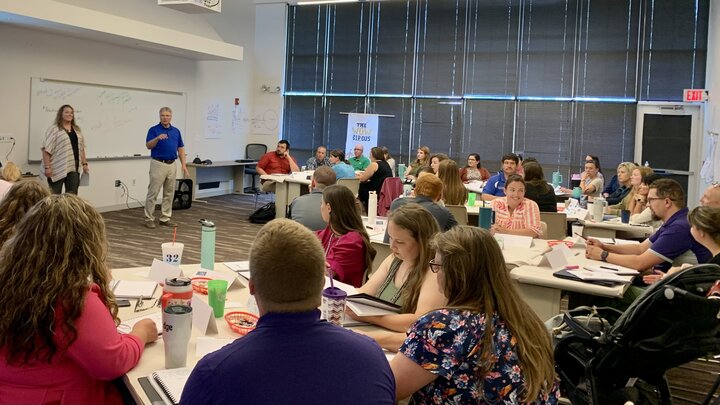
(537, 188)
(515, 214)
(487, 345)
(63, 152)
(348, 251)
(374, 175)
(18, 201)
(435, 161)
(404, 277)
(389, 159)
(423, 159)
(474, 170)
(633, 200)
(58, 317)
(454, 193)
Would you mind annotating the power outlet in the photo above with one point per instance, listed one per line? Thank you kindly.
(117, 183)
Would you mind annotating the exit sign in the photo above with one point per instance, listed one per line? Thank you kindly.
(695, 95)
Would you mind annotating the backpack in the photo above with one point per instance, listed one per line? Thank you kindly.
(264, 214)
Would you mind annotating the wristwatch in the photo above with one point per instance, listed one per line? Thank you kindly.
(604, 255)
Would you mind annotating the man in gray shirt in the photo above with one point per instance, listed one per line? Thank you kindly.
(306, 208)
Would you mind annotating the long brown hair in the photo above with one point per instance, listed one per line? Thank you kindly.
(345, 217)
(454, 193)
(475, 278)
(59, 248)
(422, 226)
(21, 197)
(59, 119)
(426, 161)
(534, 176)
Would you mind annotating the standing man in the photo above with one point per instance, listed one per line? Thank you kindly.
(327, 363)
(320, 159)
(495, 185)
(166, 145)
(277, 162)
(358, 161)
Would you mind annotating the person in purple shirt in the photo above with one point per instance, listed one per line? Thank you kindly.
(292, 357)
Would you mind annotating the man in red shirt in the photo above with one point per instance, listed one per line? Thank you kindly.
(278, 162)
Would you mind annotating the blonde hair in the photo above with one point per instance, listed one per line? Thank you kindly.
(454, 192)
(58, 250)
(18, 201)
(292, 283)
(475, 278)
(422, 226)
(628, 166)
(11, 172)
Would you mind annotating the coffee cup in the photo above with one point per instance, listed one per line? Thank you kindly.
(333, 305)
(177, 326)
(177, 291)
(172, 253)
(217, 290)
(625, 216)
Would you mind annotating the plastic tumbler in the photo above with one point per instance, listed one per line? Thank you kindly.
(217, 290)
(177, 325)
(172, 253)
(486, 217)
(471, 199)
(625, 216)
(207, 245)
(577, 192)
(333, 305)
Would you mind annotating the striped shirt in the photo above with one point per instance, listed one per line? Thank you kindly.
(57, 144)
(525, 216)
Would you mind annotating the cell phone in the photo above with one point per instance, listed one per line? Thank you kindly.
(123, 303)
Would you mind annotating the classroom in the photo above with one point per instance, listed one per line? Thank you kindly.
(227, 76)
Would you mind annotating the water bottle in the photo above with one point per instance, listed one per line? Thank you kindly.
(207, 245)
(372, 208)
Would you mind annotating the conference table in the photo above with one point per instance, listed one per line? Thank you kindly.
(611, 229)
(287, 188)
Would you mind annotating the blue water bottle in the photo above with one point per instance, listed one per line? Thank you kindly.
(207, 245)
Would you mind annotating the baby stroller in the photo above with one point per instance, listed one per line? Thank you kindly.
(624, 357)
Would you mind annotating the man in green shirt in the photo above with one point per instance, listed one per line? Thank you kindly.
(359, 162)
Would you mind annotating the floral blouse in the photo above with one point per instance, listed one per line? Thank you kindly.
(446, 342)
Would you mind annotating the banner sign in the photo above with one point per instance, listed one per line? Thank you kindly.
(361, 129)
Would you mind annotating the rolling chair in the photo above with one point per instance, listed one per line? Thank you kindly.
(253, 151)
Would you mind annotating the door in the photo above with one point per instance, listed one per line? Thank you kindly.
(668, 137)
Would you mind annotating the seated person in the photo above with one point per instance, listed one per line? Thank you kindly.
(591, 183)
(705, 229)
(339, 165)
(320, 159)
(488, 343)
(18, 201)
(374, 175)
(435, 161)
(423, 159)
(537, 188)
(474, 171)
(404, 277)
(358, 161)
(495, 186)
(611, 187)
(631, 201)
(515, 214)
(348, 251)
(711, 196)
(64, 347)
(624, 172)
(349, 367)
(672, 244)
(277, 162)
(10, 175)
(640, 213)
(428, 191)
(454, 192)
(306, 208)
(389, 159)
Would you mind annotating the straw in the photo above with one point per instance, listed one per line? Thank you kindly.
(330, 274)
(174, 234)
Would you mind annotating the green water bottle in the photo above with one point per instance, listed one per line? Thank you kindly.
(207, 245)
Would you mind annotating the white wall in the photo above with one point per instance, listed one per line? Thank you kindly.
(712, 108)
(30, 52)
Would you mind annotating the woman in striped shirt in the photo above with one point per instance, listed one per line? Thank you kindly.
(515, 214)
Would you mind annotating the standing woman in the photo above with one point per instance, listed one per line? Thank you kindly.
(423, 159)
(348, 251)
(374, 175)
(64, 152)
(474, 170)
(515, 214)
(487, 345)
(59, 342)
(454, 193)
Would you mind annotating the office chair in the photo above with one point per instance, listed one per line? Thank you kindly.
(253, 151)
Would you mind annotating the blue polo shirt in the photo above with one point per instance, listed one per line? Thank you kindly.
(495, 185)
(166, 149)
(674, 244)
(343, 171)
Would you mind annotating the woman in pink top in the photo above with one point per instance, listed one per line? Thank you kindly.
(58, 338)
(515, 214)
(346, 242)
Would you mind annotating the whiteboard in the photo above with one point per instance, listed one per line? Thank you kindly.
(114, 120)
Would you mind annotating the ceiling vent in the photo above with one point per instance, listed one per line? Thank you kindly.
(193, 6)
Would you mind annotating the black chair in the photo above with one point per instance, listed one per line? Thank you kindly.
(253, 151)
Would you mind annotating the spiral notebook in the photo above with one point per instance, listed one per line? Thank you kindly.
(172, 382)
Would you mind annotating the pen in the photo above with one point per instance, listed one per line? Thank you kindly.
(608, 268)
(581, 237)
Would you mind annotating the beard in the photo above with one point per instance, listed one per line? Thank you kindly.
(655, 217)
(277, 152)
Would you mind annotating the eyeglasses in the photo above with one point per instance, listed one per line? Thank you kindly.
(434, 267)
(651, 199)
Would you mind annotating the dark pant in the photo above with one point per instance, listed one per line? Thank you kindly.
(71, 182)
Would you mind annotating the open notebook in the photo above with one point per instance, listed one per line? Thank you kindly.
(171, 382)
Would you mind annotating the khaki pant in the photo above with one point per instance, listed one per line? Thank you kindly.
(162, 175)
